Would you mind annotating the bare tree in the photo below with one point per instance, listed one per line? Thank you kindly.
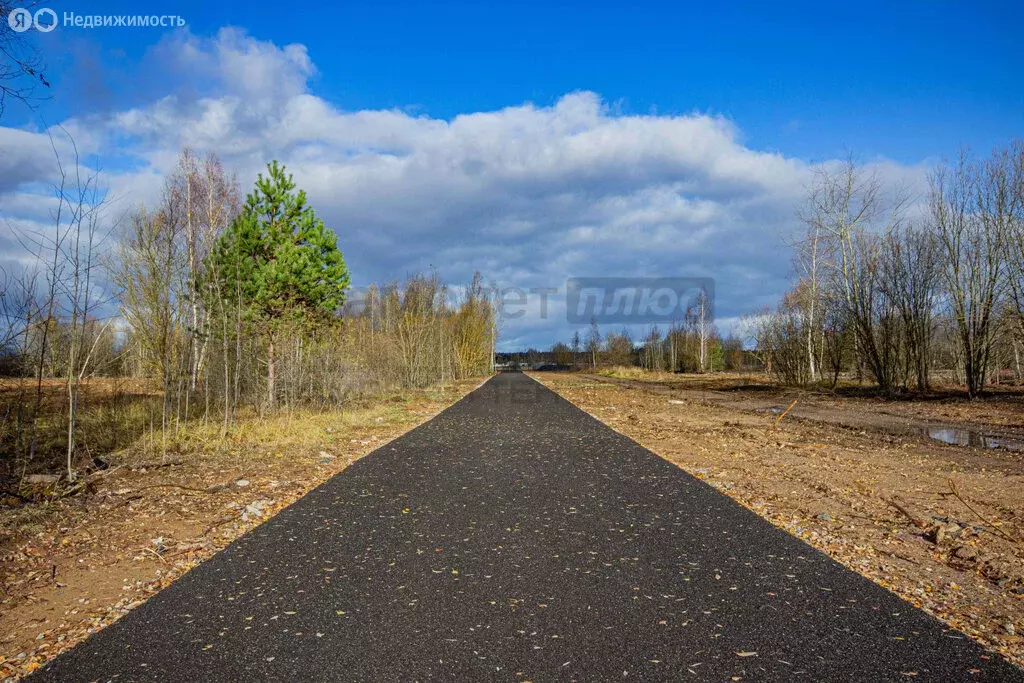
(593, 343)
(148, 272)
(810, 256)
(17, 305)
(220, 199)
(618, 348)
(21, 69)
(1014, 161)
(183, 189)
(910, 282)
(84, 238)
(972, 206)
(652, 355)
(849, 205)
(700, 315)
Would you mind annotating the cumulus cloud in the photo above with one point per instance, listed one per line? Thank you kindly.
(27, 158)
(528, 194)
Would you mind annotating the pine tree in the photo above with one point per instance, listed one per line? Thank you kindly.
(280, 260)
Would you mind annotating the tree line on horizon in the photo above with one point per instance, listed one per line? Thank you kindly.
(206, 307)
(692, 344)
(903, 292)
(903, 295)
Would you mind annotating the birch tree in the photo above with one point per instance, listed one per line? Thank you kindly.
(849, 205)
(593, 343)
(700, 314)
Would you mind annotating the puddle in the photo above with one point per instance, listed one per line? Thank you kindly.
(773, 411)
(966, 437)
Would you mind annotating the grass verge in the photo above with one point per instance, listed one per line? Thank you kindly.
(71, 566)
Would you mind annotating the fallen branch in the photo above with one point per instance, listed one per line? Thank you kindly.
(155, 553)
(184, 548)
(994, 525)
(222, 522)
(86, 482)
(126, 501)
(779, 418)
(83, 484)
(897, 556)
(216, 488)
(918, 522)
(154, 465)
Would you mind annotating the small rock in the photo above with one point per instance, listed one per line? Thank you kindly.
(1009, 628)
(257, 508)
(242, 483)
(940, 534)
(825, 517)
(966, 553)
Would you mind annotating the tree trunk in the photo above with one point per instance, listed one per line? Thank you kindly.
(672, 347)
(1016, 360)
(227, 371)
(271, 379)
(810, 347)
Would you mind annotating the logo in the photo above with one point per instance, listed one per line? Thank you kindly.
(639, 299)
(45, 20)
(21, 20)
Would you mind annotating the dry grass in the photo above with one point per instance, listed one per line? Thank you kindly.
(112, 413)
(70, 566)
(633, 372)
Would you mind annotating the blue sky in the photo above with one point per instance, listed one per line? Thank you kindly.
(897, 84)
(902, 79)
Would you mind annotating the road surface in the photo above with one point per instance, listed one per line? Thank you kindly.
(513, 537)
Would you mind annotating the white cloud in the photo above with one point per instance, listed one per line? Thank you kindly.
(27, 158)
(528, 194)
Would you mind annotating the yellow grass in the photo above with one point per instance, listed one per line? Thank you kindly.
(630, 372)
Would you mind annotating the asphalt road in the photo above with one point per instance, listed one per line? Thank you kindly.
(515, 538)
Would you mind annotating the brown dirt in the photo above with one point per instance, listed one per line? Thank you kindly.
(856, 477)
(71, 566)
(999, 413)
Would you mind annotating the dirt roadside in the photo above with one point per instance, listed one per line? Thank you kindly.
(940, 525)
(70, 567)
